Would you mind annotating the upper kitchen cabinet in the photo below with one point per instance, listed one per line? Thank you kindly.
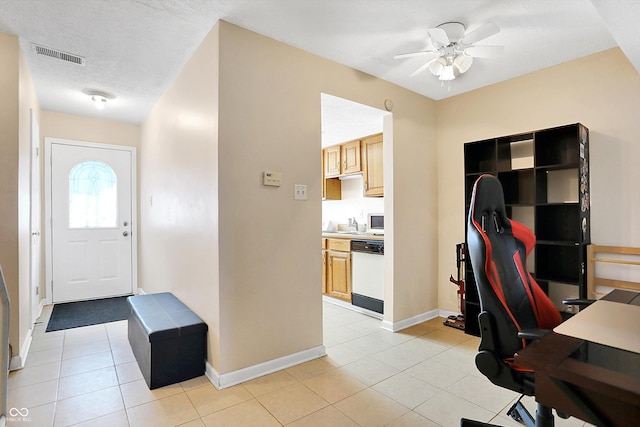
(372, 166)
(332, 164)
(351, 157)
(360, 156)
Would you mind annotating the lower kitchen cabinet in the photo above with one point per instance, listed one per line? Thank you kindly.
(336, 268)
(339, 275)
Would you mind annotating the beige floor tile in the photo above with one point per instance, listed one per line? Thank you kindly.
(115, 419)
(194, 423)
(122, 354)
(423, 348)
(418, 330)
(269, 383)
(436, 373)
(370, 344)
(446, 409)
(291, 403)
(246, 414)
(88, 406)
(85, 349)
(40, 416)
(128, 372)
(483, 393)
(78, 365)
(328, 416)
(342, 354)
(34, 375)
(47, 342)
(367, 325)
(412, 419)
(447, 337)
(369, 371)
(195, 382)
(457, 359)
(406, 390)
(436, 323)
(392, 338)
(398, 358)
(334, 386)
(207, 399)
(85, 335)
(136, 393)
(42, 357)
(33, 395)
(310, 369)
(170, 411)
(470, 346)
(371, 408)
(75, 385)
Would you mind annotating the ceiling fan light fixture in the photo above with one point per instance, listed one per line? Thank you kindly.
(463, 63)
(99, 98)
(447, 73)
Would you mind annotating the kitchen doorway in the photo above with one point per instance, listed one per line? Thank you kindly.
(90, 208)
(342, 121)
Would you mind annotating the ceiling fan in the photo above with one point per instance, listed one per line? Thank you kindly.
(453, 50)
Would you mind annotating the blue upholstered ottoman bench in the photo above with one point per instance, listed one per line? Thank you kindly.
(167, 339)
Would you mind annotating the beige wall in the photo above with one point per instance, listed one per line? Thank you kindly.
(179, 192)
(9, 161)
(246, 254)
(601, 91)
(69, 126)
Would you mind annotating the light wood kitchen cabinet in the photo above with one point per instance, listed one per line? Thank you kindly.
(331, 187)
(332, 161)
(372, 155)
(351, 157)
(338, 268)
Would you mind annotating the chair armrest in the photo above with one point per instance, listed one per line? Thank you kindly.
(582, 302)
(532, 334)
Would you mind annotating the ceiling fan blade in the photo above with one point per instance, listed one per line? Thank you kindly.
(483, 51)
(481, 33)
(425, 66)
(438, 37)
(412, 54)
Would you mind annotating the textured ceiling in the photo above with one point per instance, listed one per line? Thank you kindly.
(135, 48)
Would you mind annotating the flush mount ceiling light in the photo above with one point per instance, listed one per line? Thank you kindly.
(453, 50)
(99, 98)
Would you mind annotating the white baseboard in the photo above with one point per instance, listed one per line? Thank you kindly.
(407, 323)
(17, 362)
(229, 379)
(140, 291)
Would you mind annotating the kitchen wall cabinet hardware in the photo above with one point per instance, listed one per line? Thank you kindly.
(545, 178)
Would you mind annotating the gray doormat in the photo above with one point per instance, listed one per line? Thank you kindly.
(70, 315)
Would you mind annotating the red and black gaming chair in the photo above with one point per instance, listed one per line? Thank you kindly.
(513, 308)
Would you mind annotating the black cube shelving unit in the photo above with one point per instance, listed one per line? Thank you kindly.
(539, 172)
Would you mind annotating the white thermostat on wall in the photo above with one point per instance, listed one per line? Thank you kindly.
(272, 179)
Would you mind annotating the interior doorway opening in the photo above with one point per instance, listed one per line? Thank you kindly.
(342, 121)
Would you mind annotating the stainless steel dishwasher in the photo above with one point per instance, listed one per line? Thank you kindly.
(367, 274)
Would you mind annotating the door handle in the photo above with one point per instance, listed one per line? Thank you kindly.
(125, 233)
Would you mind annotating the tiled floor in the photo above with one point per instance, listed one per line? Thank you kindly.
(422, 376)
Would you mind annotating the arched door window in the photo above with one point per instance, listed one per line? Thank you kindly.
(93, 193)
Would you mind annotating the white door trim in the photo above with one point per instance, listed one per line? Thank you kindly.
(48, 241)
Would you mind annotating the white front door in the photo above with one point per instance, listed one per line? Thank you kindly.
(91, 216)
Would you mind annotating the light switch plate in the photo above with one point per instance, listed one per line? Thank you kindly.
(300, 192)
(273, 179)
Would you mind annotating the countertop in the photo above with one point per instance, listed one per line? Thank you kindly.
(352, 236)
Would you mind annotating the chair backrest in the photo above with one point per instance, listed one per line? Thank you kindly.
(498, 249)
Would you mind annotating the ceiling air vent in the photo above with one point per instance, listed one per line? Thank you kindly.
(58, 54)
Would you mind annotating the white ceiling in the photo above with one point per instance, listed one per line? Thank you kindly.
(135, 48)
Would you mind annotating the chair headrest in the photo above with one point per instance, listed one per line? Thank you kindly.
(487, 204)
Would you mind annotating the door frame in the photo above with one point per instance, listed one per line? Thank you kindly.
(35, 220)
(48, 142)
